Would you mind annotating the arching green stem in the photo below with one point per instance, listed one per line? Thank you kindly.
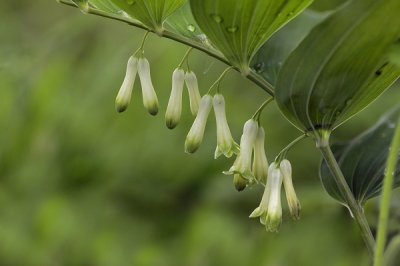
(142, 45)
(257, 114)
(283, 153)
(220, 79)
(256, 79)
(185, 58)
(355, 209)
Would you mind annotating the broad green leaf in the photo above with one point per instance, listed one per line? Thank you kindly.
(394, 53)
(340, 67)
(269, 59)
(182, 21)
(82, 4)
(325, 5)
(151, 13)
(239, 28)
(105, 5)
(363, 161)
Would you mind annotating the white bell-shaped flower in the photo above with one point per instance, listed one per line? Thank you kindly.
(150, 100)
(194, 94)
(174, 109)
(124, 95)
(270, 209)
(195, 136)
(260, 162)
(225, 143)
(293, 202)
(242, 164)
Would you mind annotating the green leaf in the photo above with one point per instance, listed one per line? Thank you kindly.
(363, 161)
(182, 21)
(239, 28)
(269, 59)
(151, 13)
(105, 5)
(340, 67)
(394, 53)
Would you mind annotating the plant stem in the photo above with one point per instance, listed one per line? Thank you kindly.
(386, 194)
(282, 154)
(391, 251)
(185, 57)
(355, 209)
(256, 79)
(259, 110)
(220, 78)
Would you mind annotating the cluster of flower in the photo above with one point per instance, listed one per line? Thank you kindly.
(245, 174)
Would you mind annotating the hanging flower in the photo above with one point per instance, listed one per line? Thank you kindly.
(293, 202)
(260, 162)
(225, 143)
(173, 114)
(194, 94)
(270, 209)
(150, 100)
(195, 136)
(242, 164)
(124, 95)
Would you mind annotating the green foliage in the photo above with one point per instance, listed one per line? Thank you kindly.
(105, 5)
(239, 28)
(363, 161)
(340, 67)
(151, 13)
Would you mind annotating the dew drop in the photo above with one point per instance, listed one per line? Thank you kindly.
(191, 28)
(349, 101)
(232, 29)
(337, 113)
(130, 2)
(216, 18)
(290, 13)
(259, 67)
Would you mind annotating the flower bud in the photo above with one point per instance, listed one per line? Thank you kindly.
(239, 182)
(124, 95)
(293, 202)
(260, 162)
(195, 136)
(173, 114)
(242, 163)
(194, 94)
(150, 100)
(225, 142)
(270, 209)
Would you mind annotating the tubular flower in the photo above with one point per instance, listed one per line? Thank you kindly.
(173, 114)
(225, 143)
(194, 94)
(150, 100)
(260, 162)
(195, 136)
(242, 163)
(293, 202)
(124, 95)
(270, 209)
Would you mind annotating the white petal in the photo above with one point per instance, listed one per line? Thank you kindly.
(293, 202)
(195, 136)
(260, 162)
(124, 95)
(150, 100)
(224, 137)
(173, 114)
(194, 94)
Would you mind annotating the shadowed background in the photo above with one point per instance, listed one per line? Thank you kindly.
(81, 184)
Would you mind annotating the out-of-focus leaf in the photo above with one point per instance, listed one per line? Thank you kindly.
(105, 5)
(82, 4)
(363, 161)
(239, 28)
(269, 59)
(151, 13)
(340, 67)
(394, 53)
(325, 5)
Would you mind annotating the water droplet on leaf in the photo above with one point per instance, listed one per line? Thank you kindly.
(216, 18)
(232, 29)
(190, 27)
(349, 101)
(259, 67)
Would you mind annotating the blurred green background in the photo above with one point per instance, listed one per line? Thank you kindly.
(81, 184)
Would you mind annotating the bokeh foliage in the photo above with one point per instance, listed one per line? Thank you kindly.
(83, 185)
